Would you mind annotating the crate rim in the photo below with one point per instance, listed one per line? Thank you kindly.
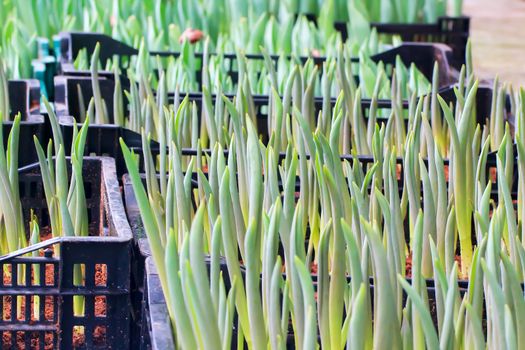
(159, 324)
(31, 119)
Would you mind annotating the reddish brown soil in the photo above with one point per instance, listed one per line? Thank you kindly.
(399, 169)
(48, 315)
(493, 174)
(99, 334)
(313, 268)
(34, 343)
(408, 264)
(99, 337)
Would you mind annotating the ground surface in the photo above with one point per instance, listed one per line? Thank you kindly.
(498, 37)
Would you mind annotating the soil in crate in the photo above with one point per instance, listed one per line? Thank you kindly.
(408, 265)
(7, 338)
(99, 333)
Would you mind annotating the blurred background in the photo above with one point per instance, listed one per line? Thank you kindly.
(498, 38)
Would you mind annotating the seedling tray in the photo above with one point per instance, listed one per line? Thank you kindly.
(24, 98)
(108, 249)
(423, 55)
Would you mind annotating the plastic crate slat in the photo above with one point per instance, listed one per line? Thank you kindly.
(27, 305)
(94, 291)
(89, 277)
(14, 308)
(42, 322)
(29, 290)
(33, 260)
(27, 328)
(42, 275)
(25, 323)
(42, 310)
(17, 255)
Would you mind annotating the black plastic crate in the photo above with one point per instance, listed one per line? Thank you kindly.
(452, 31)
(69, 44)
(108, 249)
(364, 160)
(140, 251)
(67, 101)
(24, 98)
(29, 126)
(102, 139)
